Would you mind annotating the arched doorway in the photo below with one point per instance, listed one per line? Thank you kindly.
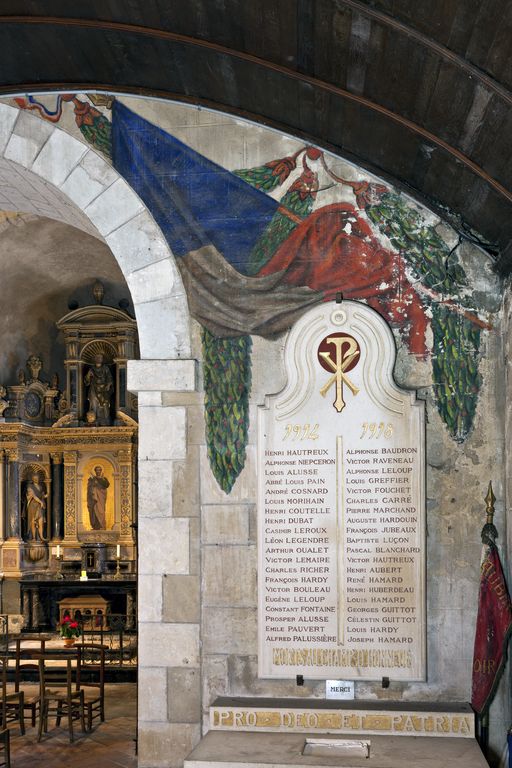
(49, 173)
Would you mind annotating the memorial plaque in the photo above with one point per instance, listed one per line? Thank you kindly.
(341, 510)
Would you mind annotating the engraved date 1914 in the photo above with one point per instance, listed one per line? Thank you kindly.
(301, 432)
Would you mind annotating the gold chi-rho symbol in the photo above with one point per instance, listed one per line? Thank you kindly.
(338, 353)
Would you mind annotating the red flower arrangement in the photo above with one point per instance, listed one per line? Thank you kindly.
(68, 627)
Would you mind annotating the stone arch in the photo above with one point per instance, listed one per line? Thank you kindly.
(44, 170)
(48, 172)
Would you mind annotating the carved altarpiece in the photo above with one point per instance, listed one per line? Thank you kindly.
(59, 457)
(105, 332)
(68, 458)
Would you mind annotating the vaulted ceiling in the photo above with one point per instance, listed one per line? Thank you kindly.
(417, 90)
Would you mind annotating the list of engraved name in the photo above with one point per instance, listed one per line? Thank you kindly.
(341, 545)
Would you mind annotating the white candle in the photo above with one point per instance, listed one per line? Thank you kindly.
(58, 550)
(118, 551)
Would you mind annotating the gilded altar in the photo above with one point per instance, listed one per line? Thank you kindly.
(73, 512)
(68, 456)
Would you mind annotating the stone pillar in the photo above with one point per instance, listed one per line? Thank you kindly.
(2, 495)
(57, 522)
(162, 448)
(13, 496)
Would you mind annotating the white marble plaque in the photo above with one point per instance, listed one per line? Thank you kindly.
(341, 507)
(339, 689)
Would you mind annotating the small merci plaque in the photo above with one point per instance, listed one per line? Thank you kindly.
(339, 689)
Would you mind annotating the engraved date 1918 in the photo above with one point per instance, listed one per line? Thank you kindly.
(295, 432)
(374, 429)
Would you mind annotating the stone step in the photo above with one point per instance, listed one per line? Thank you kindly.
(219, 749)
(396, 718)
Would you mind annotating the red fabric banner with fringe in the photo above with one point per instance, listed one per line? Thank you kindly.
(493, 627)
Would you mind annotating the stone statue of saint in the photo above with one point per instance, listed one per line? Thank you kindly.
(100, 384)
(35, 508)
(97, 488)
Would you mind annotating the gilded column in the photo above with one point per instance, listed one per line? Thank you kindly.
(2, 495)
(13, 496)
(70, 497)
(57, 525)
(125, 487)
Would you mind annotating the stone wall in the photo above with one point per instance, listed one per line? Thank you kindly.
(457, 478)
(197, 545)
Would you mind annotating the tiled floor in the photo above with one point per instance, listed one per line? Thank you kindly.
(109, 745)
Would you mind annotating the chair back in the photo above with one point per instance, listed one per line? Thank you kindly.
(91, 666)
(25, 661)
(57, 670)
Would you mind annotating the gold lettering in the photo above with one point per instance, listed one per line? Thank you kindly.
(377, 722)
(442, 724)
(268, 719)
(343, 721)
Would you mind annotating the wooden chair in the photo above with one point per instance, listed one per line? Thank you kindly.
(58, 691)
(25, 664)
(11, 704)
(5, 749)
(92, 660)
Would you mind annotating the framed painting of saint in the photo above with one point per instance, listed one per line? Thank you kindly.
(98, 491)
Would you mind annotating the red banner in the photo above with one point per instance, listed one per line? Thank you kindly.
(493, 625)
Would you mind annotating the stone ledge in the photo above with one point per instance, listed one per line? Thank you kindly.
(285, 750)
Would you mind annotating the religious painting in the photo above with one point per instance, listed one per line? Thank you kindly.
(98, 489)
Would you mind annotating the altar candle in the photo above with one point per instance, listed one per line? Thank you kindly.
(58, 550)
(118, 551)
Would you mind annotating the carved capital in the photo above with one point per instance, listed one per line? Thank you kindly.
(56, 458)
(70, 457)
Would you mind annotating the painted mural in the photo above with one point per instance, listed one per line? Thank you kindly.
(258, 246)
